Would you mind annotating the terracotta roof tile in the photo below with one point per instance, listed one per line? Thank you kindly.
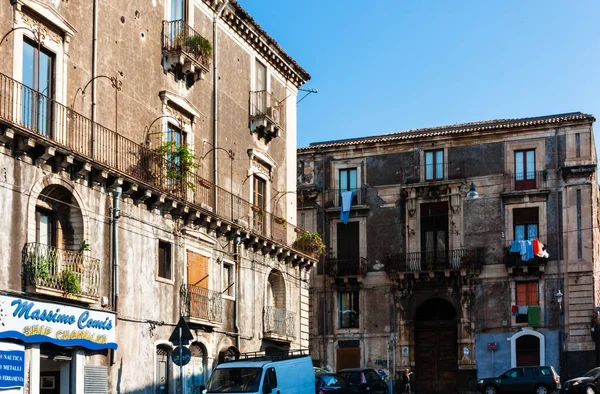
(463, 128)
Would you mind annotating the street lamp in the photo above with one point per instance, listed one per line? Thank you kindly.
(472, 194)
(559, 299)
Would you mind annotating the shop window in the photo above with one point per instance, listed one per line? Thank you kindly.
(348, 309)
(526, 295)
(37, 91)
(525, 169)
(434, 165)
(162, 369)
(164, 260)
(526, 223)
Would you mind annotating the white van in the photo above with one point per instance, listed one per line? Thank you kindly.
(280, 374)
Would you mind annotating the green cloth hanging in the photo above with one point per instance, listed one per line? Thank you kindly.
(533, 316)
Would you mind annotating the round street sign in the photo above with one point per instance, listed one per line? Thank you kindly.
(186, 356)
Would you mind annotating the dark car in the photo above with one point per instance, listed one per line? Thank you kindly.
(365, 380)
(332, 383)
(588, 383)
(539, 380)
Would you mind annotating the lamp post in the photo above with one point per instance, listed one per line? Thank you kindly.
(472, 194)
(559, 300)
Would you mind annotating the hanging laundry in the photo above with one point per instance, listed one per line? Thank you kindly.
(523, 309)
(533, 316)
(536, 247)
(523, 250)
(528, 250)
(347, 197)
(515, 246)
(515, 310)
(541, 251)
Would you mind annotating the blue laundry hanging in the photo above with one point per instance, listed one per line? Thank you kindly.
(347, 197)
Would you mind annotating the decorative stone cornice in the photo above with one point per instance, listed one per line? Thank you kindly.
(243, 24)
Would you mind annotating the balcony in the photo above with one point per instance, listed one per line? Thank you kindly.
(40, 129)
(346, 267)
(201, 306)
(61, 273)
(523, 182)
(185, 51)
(435, 261)
(267, 115)
(333, 197)
(516, 264)
(279, 324)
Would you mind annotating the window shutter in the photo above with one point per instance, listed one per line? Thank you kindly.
(197, 269)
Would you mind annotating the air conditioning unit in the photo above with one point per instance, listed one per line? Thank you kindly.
(274, 114)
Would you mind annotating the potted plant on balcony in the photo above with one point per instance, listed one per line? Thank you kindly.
(197, 45)
(180, 162)
(310, 243)
(281, 220)
(70, 282)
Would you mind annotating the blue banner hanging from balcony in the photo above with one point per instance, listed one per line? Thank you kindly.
(347, 197)
(34, 321)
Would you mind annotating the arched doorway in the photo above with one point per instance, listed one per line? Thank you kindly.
(196, 369)
(436, 352)
(528, 351)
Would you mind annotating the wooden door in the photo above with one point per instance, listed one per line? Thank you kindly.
(348, 248)
(347, 358)
(436, 358)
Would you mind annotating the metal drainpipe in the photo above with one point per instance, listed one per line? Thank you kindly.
(236, 261)
(216, 99)
(115, 247)
(94, 58)
(561, 316)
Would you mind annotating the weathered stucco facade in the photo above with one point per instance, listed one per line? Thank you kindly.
(147, 154)
(422, 276)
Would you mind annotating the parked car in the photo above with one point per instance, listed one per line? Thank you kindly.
(332, 383)
(365, 380)
(539, 380)
(589, 383)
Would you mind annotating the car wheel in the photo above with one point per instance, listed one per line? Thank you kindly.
(490, 390)
(541, 389)
(590, 390)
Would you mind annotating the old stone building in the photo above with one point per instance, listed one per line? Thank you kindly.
(428, 264)
(147, 154)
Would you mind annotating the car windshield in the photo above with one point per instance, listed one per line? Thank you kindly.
(592, 373)
(234, 380)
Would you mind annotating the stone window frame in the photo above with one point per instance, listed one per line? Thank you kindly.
(541, 297)
(57, 33)
(336, 327)
(157, 277)
(538, 145)
(177, 107)
(223, 291)
(422, 167)
(362, 234)
(338, 165)
(542, 219)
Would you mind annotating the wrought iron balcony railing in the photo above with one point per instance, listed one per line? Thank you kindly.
(346, 267)
(279, 322)
(437, 260)
(525, 180)
(27, 109)
(333, 197)
(179, 38)
(200, 303)
(69, 272)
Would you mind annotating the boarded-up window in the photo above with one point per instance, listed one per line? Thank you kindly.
(347, 358)
(197, 269)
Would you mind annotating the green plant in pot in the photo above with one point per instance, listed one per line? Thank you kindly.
(70, 282)
(180, 162)
(198, 45)
(310, 243)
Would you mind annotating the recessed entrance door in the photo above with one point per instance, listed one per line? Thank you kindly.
(436, 352)
(528, 351)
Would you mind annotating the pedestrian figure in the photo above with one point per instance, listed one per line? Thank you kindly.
(406, 379)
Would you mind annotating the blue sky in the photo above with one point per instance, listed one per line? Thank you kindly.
(389, 65)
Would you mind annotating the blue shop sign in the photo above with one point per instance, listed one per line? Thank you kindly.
(12, 369)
